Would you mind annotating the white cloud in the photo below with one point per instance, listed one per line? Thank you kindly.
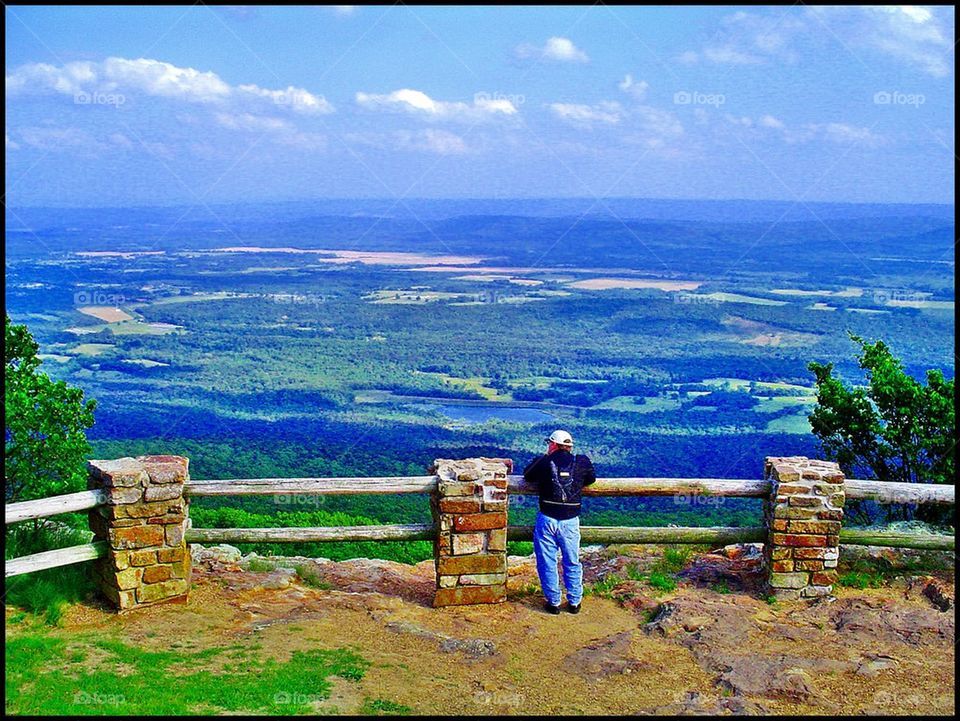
(605, 112)
(430, 140)
(840, 133)
(419, 103)
(638, 90)
(255, 123)
(10, 144)
(920, 37)
(768, 121)
(342, 10)
(556, 48)
(152, 78)
(433, 140)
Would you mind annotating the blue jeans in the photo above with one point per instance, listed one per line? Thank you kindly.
(550, 536)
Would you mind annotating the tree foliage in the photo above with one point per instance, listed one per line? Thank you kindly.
(893, 429)
(45, 424)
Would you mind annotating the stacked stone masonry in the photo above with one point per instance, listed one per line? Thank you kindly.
(803, 515)
(470, 512)
(143, 523)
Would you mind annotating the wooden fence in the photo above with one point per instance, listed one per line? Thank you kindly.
(636, 487)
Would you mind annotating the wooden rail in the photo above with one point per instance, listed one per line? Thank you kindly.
(395, 532)
(310, 486)
(55, 559)
(55, 505)
(896, 539)
(670, 534)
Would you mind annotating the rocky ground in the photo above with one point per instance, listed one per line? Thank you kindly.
(711, 646)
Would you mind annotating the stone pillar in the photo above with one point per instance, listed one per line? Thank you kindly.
(803, 515)
(470, 512)
(143, 523)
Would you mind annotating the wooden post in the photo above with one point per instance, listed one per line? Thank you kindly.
(803, 516)
(142, 523)
(470, 513)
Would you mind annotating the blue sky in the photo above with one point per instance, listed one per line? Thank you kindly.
(164, 105)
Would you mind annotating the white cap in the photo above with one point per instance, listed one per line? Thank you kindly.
(561, 438)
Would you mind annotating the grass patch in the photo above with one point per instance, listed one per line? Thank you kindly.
(662, 582)
(520, 548)
(604, 587)
(47, 594)
(46, 676)
(861, 580)
(311, 576)
(383, 707)
(260, 565)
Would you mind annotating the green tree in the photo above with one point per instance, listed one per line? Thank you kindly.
(894, 429)
(45, 424)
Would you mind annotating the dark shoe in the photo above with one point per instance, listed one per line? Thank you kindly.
(550, 608)
(573, 608)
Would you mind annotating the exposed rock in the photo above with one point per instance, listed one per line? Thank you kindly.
(872, 665)
(694, 703)
(222, 552)
(472, 647)
(939, 594)
(606, 656)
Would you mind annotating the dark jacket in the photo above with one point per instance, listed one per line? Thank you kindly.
(560, 477)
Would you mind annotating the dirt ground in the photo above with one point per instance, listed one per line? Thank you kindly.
(695, 650)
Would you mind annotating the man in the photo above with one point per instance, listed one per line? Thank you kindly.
(559, 477)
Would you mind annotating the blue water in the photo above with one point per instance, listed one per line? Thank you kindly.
(482, 414)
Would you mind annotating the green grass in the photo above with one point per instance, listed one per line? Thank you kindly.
(519, 548)
(662, 581)
(260, 565)
(46, 594)
(604, 587)
(383, 707)
(861, 580)
(310, 576)
(88, 675)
